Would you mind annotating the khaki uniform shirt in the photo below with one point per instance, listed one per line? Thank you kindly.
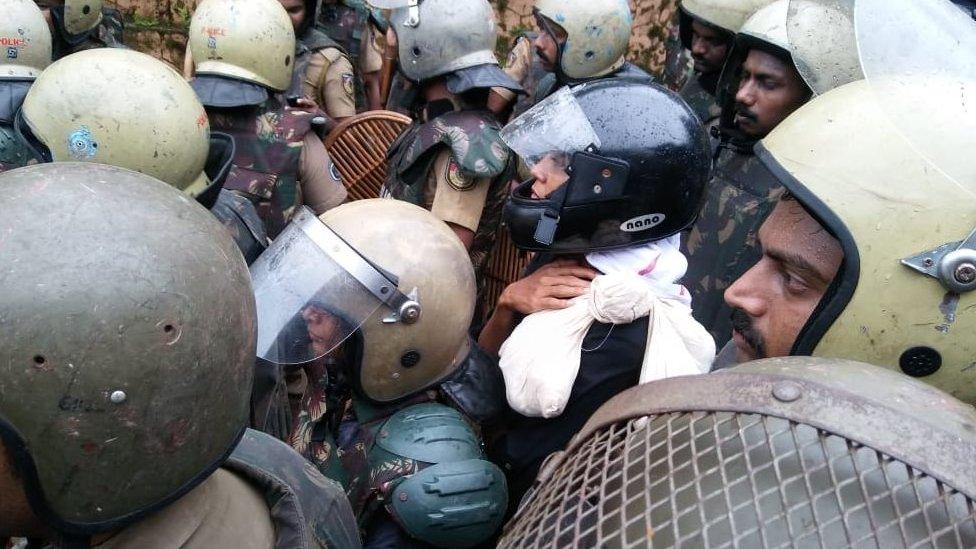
(330, 82)
(452, 196)
(223, 511)
(320, 183)
(371, 50)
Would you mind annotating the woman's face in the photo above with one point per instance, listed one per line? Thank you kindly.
(550, 174)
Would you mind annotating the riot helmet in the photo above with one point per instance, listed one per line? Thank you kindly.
(447, 38)
(127, 109)
(81, 16)
(724, 15)
(125, 305)
(597, 35)
(384, 274)
(893, 183)
(631, 161)
(787, 452)
(26, 41)
(242, 49)
(816, 37)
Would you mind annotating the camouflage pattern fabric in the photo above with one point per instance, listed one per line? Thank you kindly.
(108, 34)
(345, 24)
(12, 153)
(678, 64)
(472, 137)
(532, 77)
(310, 511)
(269, 142)
(722, 244)
(701, 101)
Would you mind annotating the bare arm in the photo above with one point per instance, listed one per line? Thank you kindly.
(551, 287)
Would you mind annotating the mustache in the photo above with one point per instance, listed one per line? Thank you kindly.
(744, 112)
(742, 323)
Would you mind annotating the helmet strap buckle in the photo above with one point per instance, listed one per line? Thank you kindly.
(545, 229)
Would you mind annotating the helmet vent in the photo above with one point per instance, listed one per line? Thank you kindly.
(920, 361)
(39, 360)
(86, 10)
(416, 51)
(410, 359)
(287, 60)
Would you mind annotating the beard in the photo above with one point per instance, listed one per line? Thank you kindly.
(742, 323)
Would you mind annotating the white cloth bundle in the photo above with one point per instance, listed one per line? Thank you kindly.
(541, 358)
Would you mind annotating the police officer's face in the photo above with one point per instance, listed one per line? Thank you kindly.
(550, 174)
(769, 91)
(774, 299)
(547, 42)
(296, 11)
(324, 329)
(709, 48)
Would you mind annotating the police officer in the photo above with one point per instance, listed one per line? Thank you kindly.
(25, 37)
(451, 160)
(707, 29)
(127, 109)
(125, 371)
(323, 72)
(871, 257)
(279, 162)
(798, 452)
(78, 25)
(616, 166)
(367, 308)
(761, 85)
(581, 40)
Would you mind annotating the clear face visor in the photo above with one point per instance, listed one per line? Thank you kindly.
(313, 290)
(919, 57)
(551, 131)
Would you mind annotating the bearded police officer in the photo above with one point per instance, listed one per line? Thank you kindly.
(78, 25)
(323, 72)
(797, 452)
(707, 29)
(365, 310)
(127, 109)
(863, 163)
(618, 169)
(25, 37)
(451, 160)
(759, 88)
(125, 370)
(279, 162)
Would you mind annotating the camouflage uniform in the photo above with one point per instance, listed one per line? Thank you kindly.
(678, 65)
(324, 73)
(269, 142)
(701, 100)
(12, 153)
(108, 34)
(463, 150)
(345, 22)
(722, 244)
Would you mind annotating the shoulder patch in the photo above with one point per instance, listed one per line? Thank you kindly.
(456, 178)
(347, 83)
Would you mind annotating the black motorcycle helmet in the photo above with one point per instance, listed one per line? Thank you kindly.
(637, 159)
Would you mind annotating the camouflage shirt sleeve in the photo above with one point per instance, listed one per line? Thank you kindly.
(453, 196)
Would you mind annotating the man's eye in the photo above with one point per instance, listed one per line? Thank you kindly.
(767, 84)
(793, 283)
